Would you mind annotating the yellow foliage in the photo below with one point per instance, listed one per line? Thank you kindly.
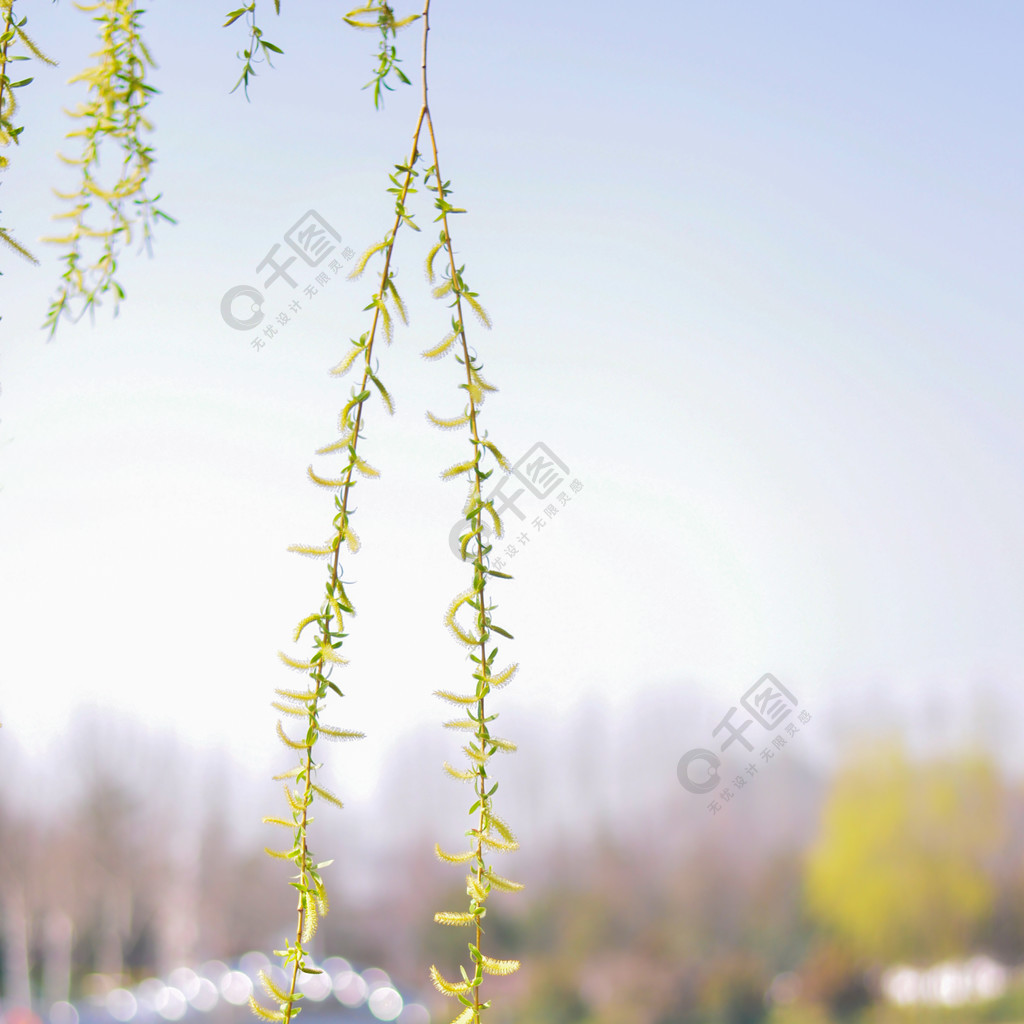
(900, 865)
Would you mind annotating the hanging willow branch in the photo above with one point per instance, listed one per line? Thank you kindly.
(113, 122)
(470, 615)
(13, 36)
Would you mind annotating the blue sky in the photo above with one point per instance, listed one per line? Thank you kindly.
(754, 272)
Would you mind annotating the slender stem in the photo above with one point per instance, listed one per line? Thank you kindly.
(479, 557)
(305, 853)
(345, 492)
(8, 31)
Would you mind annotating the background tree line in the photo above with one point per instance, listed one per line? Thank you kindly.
(640, 906)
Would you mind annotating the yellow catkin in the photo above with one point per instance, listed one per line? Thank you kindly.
(299, 666)
(440, 349)
(288, 741)
(453, 858)
(263, 1013)
(310, 918)
(504, 884)
(448, 424)
(452, 918)
(455, 698)
(449, 988)
(346, 364)
(460, 775)
(492, 966)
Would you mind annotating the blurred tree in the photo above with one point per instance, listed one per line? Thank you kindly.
(902, 865)
(734, 991)
(836, 981)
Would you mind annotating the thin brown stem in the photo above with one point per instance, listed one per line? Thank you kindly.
(479, 557)
(8, 33)
(345, 493)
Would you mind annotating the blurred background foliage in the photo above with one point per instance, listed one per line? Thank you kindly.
(787, 907)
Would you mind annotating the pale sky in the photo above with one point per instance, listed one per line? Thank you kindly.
(754, 273)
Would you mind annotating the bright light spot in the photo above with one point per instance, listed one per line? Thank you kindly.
(385, 1003)
(236, 987)
(171, 1004)
(946, 984)
(376, 978)
(951, 986)
(146, 993)
(185, 980)
(63, 1013)
(350, 989)
(900, 985)
(414, 1013)
(214, 970)
(335, 964)
(254, 962)
(205, 996)
(315, 986)
(121, 1004)
(989, 977)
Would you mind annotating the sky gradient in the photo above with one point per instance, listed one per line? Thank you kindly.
(754, 273)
